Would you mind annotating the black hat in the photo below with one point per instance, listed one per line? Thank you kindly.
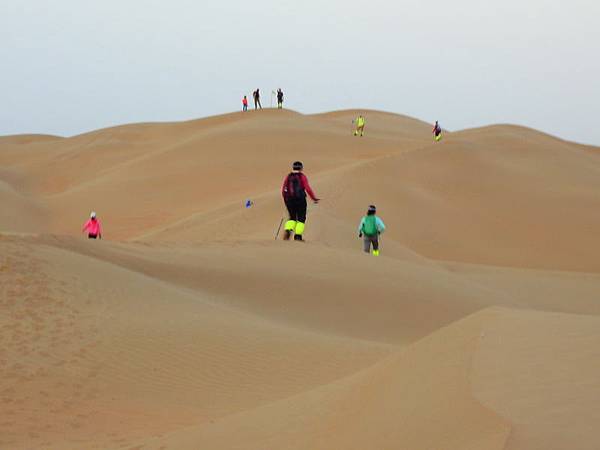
(372, 209)
(297, 165)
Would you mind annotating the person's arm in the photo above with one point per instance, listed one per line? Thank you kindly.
(85, 226)
(380, 225)
(307, 188)
(360, 227)
(283, 186)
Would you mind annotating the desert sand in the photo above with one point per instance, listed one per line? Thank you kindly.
(190, 327)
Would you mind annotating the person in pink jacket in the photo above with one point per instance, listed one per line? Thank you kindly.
(93, 227)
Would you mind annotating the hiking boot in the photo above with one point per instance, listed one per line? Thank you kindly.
(287, 234)
(297, 237)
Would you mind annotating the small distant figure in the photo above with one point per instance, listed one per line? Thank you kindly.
(279, 98)
(360, 126)
(294, 190)
(93, 227)
(249, 203)
(245, 104)
(437, 132)
(369, 229)
(256, 95)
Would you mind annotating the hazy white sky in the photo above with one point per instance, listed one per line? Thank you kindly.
(70, 66)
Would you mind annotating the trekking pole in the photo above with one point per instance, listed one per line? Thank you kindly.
(279, 229)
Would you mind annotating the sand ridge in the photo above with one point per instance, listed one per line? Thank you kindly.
(189, 326)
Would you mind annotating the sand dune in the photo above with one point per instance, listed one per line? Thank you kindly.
(100, 347)
(19, 139)
(449, 391)
(19, 213)
(190, 327)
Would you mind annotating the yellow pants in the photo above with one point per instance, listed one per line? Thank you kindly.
(295, 227)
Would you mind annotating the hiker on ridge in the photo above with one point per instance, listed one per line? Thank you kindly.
(294, 190)
(256, 95)
(279, 98)
(437, 132)
(360, 126)
(245, 104)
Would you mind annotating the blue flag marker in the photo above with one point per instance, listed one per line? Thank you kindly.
(249, 203)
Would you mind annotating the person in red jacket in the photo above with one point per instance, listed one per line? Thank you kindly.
(93, 227)
(294, 190)
(245, 104)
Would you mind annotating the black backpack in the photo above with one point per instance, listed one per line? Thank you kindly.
(294, 188)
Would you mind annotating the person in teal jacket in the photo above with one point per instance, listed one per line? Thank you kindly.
(369, 229)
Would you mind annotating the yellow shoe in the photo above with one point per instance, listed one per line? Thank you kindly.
(375, 252)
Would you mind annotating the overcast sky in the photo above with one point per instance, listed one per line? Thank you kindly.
(70, 66)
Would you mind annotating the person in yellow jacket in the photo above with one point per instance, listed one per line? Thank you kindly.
(360, 126)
